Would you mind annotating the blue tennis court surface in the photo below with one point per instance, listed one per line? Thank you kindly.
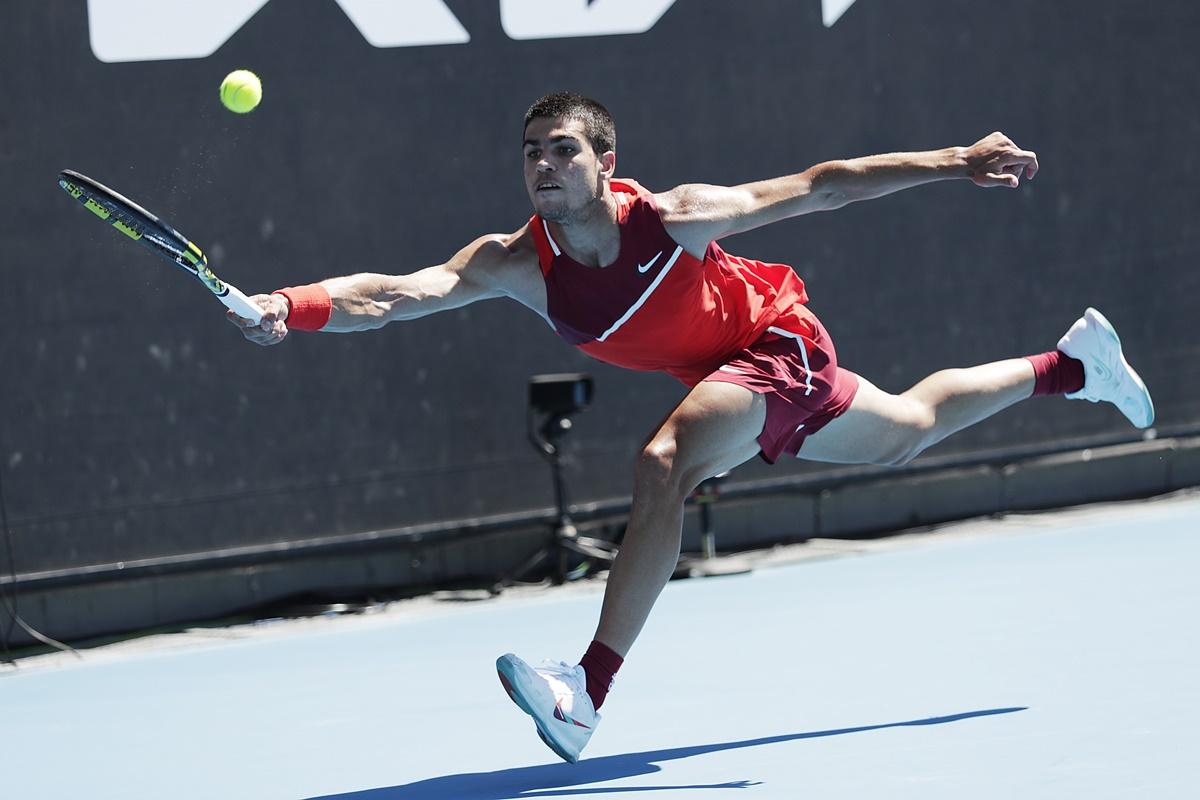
(1047, 656)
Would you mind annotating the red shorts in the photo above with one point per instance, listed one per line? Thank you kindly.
(795, 366)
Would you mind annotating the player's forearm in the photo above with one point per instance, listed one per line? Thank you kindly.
(833, 184)
(359, 302)
(369, 300)
(851, 180)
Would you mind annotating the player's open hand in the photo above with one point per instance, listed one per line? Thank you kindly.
(996, 161)
(272, 328)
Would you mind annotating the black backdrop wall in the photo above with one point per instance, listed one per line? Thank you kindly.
(135, 422)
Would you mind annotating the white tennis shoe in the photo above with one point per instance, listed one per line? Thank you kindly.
(1107, 375)
(555, 695)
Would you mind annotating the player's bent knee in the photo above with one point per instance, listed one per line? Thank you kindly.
(917, 432)
(660, 470)
(655, 464)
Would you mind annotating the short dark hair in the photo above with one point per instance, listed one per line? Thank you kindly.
(597, 122)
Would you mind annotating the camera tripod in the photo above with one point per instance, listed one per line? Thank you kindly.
(565, 542)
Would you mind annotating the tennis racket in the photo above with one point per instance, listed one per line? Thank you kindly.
(140, 225)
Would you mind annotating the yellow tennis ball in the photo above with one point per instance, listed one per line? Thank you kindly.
(241, 91)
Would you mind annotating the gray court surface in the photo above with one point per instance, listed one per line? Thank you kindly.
(1041, 656)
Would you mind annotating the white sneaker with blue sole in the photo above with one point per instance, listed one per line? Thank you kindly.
(555, 695)
(1107, 375)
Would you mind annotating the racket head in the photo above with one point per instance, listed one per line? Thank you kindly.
(140, 225)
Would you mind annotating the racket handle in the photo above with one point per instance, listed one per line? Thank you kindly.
(241, 305)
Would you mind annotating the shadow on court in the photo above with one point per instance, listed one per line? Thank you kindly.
(524, 782)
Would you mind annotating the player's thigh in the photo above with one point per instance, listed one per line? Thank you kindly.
(714, 428)
(878, 428)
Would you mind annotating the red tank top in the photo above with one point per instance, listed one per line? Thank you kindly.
(656, 307)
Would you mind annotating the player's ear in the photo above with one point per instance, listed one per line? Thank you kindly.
(608, 163)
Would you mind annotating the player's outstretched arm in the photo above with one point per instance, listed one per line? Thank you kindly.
(365, 301)
(696, 214)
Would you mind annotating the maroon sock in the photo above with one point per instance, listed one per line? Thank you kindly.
(599, 663)
(1056, 372)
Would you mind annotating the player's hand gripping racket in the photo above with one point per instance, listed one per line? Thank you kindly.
(140, 225)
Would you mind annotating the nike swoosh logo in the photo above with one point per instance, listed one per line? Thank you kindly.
(649, 263)
(558, 714)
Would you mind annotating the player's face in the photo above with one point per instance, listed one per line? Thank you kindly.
(563, 174)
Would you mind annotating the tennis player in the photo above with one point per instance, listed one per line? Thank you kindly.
(636, 278)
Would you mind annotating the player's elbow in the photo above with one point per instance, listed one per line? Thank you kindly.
(829, 187)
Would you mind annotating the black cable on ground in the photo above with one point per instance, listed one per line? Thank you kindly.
(10, 597)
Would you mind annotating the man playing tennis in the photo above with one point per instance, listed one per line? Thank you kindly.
(637, 279)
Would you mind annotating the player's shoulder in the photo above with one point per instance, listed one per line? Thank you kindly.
(512, 267)
(504, 249)
(682, 203)
(668, 202)
(631, 193)
(504, 261)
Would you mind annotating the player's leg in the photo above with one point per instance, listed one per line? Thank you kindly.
(883, 428)
(714, 429)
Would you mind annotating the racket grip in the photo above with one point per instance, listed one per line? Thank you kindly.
(238, 303)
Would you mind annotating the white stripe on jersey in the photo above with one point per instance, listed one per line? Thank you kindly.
(645, 295)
